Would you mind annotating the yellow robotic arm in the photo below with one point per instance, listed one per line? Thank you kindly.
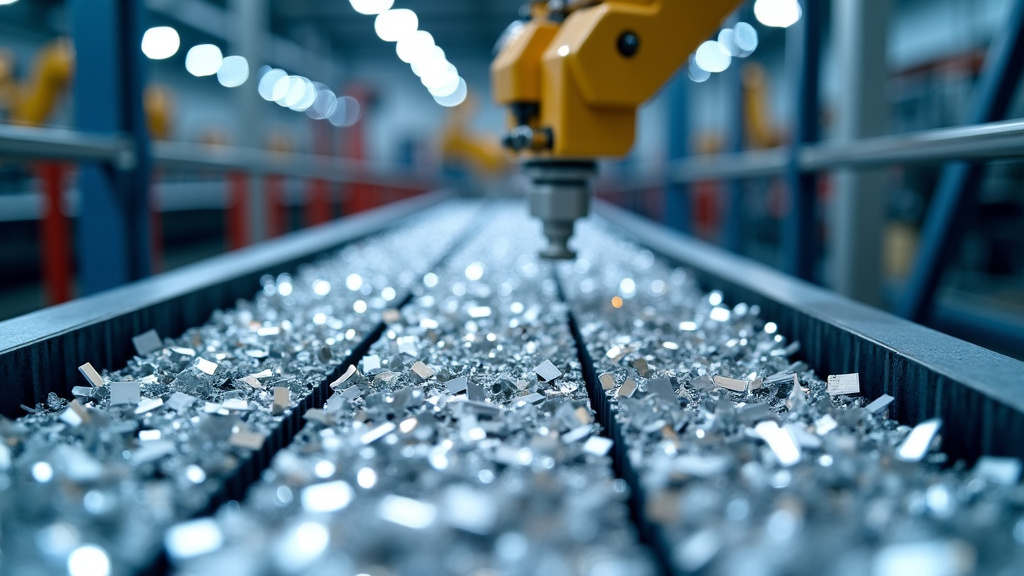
(572, 78)
(54, 69)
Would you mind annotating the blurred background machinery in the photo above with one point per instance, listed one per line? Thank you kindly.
(868, 147)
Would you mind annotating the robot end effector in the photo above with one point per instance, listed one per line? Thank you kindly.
(572, 77)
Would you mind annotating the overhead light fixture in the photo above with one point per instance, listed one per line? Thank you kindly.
(698, 74)
(778, 13)
(745, 37)
(234, 71)
(268, 79)
(203, 60)
(455, 98)
(309, 94)
(158, 43)
(440, 78)
(324, 104)
(347, 112)
(415, 46)
(393, 25)
(440, 90)
(713, 57)
(371, 7)
(296, 91)
(429, 61)
(301, 94)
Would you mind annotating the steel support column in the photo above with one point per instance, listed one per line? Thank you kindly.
(677, 212)
(58, 269)
(857, 219)
(732, 83)
(114, 232)
(251, 22)
(955, 196)
(803, 55)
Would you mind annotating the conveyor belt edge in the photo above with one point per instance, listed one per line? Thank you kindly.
(978, 393)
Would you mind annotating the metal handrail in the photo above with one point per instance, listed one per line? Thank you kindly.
(59, 144)
(25, 143)
(990, 141)
(995, 140)
(182, 156)
(753, 164)
(978, 142)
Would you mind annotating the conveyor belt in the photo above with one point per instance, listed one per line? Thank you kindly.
(466, 301)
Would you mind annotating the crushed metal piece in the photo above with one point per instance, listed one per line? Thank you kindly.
(147, 342)
(91, 375)
(282, 400)
(731, 383)
(125, 393)
(423, 371)
(248, 439)
(843, 384)
(880, 404)
(205, 366)
(547, 371)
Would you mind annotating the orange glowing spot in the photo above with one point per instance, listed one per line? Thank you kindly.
(617, 302)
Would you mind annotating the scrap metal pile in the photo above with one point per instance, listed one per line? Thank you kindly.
(504, 422)
(95, 482)
(749, 463)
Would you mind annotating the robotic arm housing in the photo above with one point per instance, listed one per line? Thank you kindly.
(572, 77)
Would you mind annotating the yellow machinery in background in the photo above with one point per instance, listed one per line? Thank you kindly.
(158, 105)
(460, 144)
(572, 77)
(32, 103)
(761, 131)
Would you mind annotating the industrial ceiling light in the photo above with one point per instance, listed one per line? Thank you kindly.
(393, 25)
(296, 92)
(280, 89)
(267, 82)
(455, 98)
(727, 40)
(745, 37)
(158, 43)
(713, 57)
(698, 74)
(203, 60)
(438, 74)
(309, 94)
(447, 88)
(323, 106)
(429, 62)
(778, 13)
(346, 113)
(234, 71)
(414, 46)
(371, 7)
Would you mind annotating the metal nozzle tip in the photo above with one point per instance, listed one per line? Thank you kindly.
(558, 234)
(553, 252)
(560, 195)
